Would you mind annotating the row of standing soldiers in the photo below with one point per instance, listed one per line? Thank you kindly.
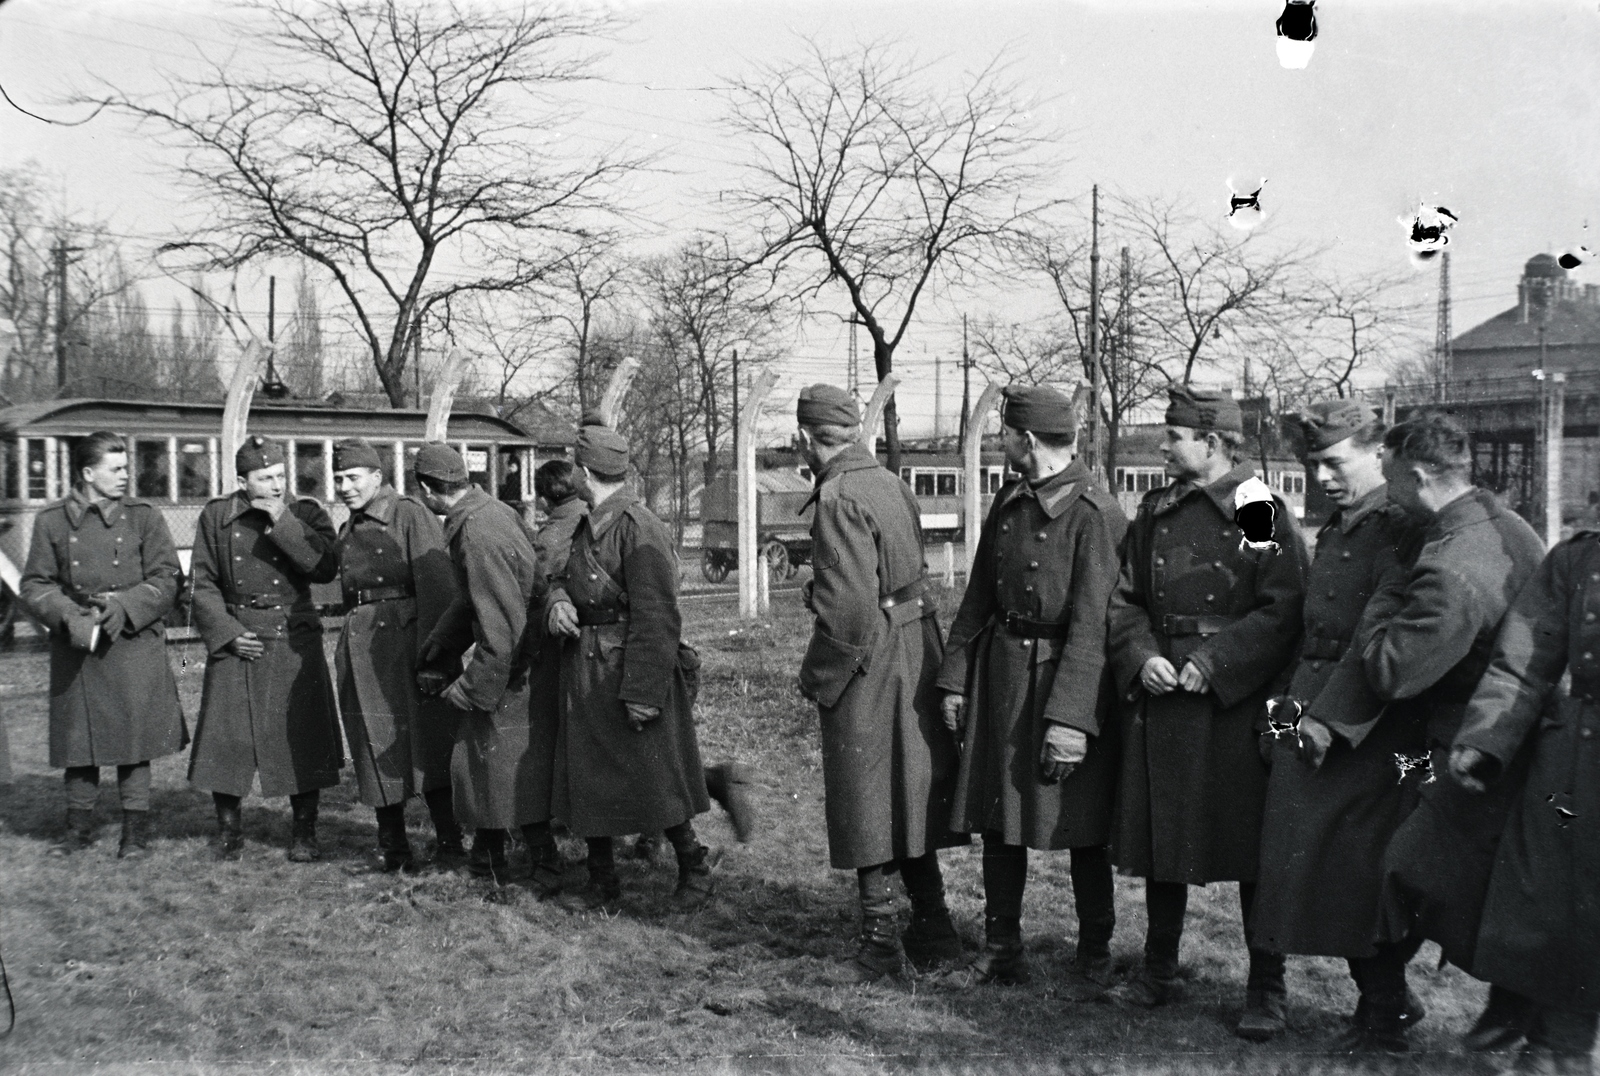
(506, 678)
(1378, 745)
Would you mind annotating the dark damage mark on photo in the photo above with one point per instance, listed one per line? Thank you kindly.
(1406, 763)
(1256, 514)
(1561, 803)
(1429, 232)
(1297, 32)
(1244, 210)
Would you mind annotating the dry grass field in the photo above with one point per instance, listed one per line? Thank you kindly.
(180, 964)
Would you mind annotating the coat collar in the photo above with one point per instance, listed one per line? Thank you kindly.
(852, 458)
(79, 505)
(1372, 501)
(1474, 506)
(1056, 493)
(602, 517)
(381, 507)
(567, 509)
(238, 505)
(457, 514)
(1220, 492)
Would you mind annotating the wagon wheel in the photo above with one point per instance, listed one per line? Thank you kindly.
(713, 566)
(778, 567)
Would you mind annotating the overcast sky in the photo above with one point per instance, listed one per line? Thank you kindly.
(1492, 109)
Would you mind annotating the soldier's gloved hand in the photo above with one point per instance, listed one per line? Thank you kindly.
(431, 681)
(1158, 676)
(640, 715)
(80, 629)
(954, 709)
(1064, 748)
(456, 696)
(806, 590)
(113, 617)
(1472, 769)
(1192, 679)
(1312, 740)
(563, 620)
(432, 650)
(248, 646)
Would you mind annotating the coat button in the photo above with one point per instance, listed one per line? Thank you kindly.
(1041, 536)
(72, 538)
(1345, 555)
(1026, 643)
(1587, 733)
(592, 575)
(1161, 594)
(380, 578)
(1005, 528)
(74, 564)
(1160, 561)
(1033, 565)
(1211, 597)
(1333, 593)
(1028, 589)
(237, 557)
(1217, 564)
(1163, 530)
(1588, 616)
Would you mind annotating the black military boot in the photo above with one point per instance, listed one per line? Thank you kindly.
(1266, 999)
(230, 826)
(695, 865)
(1156, 983)
(729, 783)
(303, 846)
(603, 891)
(1504, 1022)
(80, 832)
(931, 942)
(1003, 959)
(449, 850)
(135, 835)
(1091, 975)
(394, 847)
(547, 870)
(878, 953)
(1381, 1029)
(488, 856)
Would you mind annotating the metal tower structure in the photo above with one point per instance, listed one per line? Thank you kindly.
(1443, 360)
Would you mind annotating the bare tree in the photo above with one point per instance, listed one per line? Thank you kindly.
(576, 294)
(704, 310)
(867, 177)
(1349, 326)
(398, 144)
(1203, 279)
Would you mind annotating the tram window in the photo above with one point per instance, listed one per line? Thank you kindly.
(411, 468)
(38, 471)
(923, 484)
(194, 469)
(994, 479)
(153, 471)
(905, 475)
(477, 459)
(8, 464)
(1141, 482)
(308, 475)
(946, 484)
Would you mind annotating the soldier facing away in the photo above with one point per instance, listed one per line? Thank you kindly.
(1539, 938)
(267, 705)
(627, 759)
(1475, 558)
(102, 572)
(501, 783)
(1336, 796)
(888, 762)
(1199, 626)
(1023, 674)
(397, 583)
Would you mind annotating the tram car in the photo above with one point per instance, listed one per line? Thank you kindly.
(173, 459)
(936, 476)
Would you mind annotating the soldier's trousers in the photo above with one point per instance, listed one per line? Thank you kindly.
(1166, 903)
(1005, 875)
(133, 786)
(923, 880)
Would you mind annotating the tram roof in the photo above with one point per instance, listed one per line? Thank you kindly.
(76, 417)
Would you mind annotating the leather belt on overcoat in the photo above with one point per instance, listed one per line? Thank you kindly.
(260, 601)
(378, 594)
(592, 618)
(1173, 624)
(908, 593)
(1025, 628)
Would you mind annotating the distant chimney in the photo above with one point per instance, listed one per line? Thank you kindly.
(1522, 303)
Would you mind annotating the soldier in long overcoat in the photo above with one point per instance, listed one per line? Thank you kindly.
(1200, 624)
(627, 759)
(1540, 933)
(267, 705)
(1023, 671)
(500, 782)
(102, 572)
(1475, 558)
(397, 582)
(888, 762)
(1332, 807)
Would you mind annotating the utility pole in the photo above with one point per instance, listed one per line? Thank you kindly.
(938, 397)
(735, 409)
(416, 360)
(1093, 460)
(852, 374)
(1119, 366)
(1443, 358)
(966, 383)
(61, 251)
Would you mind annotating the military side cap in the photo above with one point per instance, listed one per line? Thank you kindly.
(1327, 422)
(827, 405)
(1039, 408)
(1201, 410)
(257, 452)
(602, 450)
(355, 452)
(441, 463)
